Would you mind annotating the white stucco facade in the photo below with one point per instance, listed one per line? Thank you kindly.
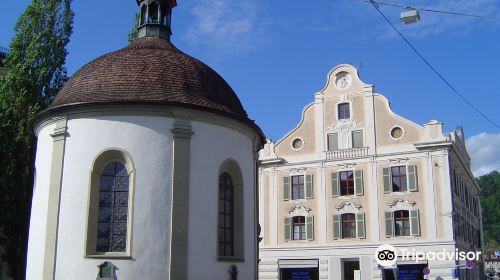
(148, 141)
(439, 195)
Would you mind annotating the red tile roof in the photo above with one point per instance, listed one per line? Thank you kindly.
(151, 71)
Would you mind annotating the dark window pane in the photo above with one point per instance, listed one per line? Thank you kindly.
(121, 183)
(102, 245)
(344, 111)
(119, 229)
(109, 169)
(107, 182)
(298, 187)
(118, 244)
(120, 214)
(105, 198)
(113, 210)
(121, 170)
(121, 198)
(226, 215)
(103, 229)
(105, 214)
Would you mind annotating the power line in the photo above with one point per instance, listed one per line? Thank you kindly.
(429, 10)
(434, 69)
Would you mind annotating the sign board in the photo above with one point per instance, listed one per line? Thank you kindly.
(497, 253)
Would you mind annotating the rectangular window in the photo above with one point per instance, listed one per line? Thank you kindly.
(344, 111)
(299, 228)
(333, 142)
(346, 183)
(357, 139)
(348, 225)
(402, 223)
(399, 183)
(298, 187)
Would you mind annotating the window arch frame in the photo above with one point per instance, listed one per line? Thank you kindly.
(231, 167)
(98, 164)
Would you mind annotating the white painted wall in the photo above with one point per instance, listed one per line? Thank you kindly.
(211, 145)
(38, 219)
(149, 142)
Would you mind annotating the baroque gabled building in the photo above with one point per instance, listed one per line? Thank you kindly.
(353, 175)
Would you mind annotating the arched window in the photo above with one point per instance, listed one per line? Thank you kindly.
(113, 208)
(226, 215)
(110, 201)
(230, 210)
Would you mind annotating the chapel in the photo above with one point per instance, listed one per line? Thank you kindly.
(145, 168)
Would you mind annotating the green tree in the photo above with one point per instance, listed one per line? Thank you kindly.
(490, 203)
(36, 71)
(132, 34)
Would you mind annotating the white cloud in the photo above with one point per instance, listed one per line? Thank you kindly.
(227, 25)
(484, 150)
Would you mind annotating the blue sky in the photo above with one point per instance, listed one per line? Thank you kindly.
(270, 51)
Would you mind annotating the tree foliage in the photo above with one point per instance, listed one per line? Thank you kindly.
(36, 71)
(133, 33)
(490, 203)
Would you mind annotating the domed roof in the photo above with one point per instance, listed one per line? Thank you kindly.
(150, 71)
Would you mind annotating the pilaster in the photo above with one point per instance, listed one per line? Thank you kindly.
(56, 172)
(182, 133)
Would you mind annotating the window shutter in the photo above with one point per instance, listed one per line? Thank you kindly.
(335, 184)
(415, 222)
(336, 226)
(389, 224)
(358, 175)
(357, 139)
(387, 180)
(309, 186)
(333, 142)
(412, 178)
(360, 225)
(286, 188)
(310, 227)
(288, 228)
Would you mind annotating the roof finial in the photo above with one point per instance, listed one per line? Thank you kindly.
(156, 18)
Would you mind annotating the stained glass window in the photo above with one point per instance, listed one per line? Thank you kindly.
(226, 216)
(113, 209)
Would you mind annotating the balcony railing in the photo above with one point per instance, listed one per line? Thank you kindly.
(347, 153)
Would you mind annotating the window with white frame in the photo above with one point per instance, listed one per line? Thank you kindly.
(298, 187)
(400, 179)
(299, 228)
(349, 225)
(349, 182)
(344, 111)
(402, 222)
(109, 212)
